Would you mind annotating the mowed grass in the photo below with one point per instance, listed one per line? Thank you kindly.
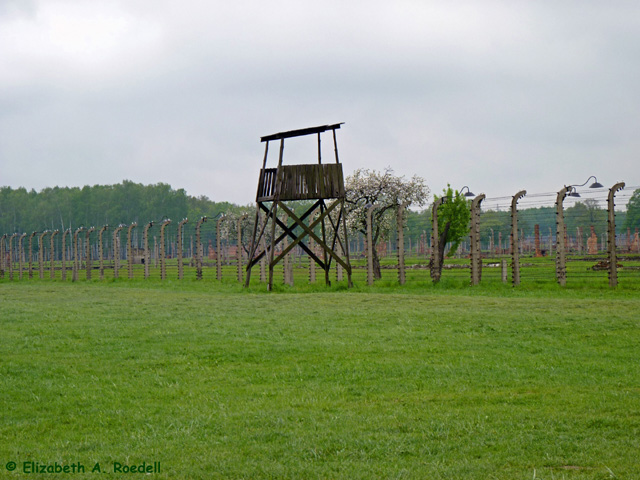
(217, 382)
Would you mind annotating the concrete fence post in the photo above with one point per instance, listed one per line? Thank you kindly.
(436, 261)
(52, 256)
(515, 244)
(400, 224)
(101, 250)
(130, 249)
(2, 254)
(163, 260)
(30, 253)
(87, 246)
(179, 252)
(116, 250)
(145, 245)
(370, 210)
(199, 248)
(21, 254)
(474, 240)
(11, 254)
(41, 253)
(219, 247)
(561, 254)
(76, 258)
(239, 249)
(613, 259)
(63, 271)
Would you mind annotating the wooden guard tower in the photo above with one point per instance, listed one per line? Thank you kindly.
(290, 183)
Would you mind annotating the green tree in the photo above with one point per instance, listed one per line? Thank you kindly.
(632, 219)
(453, 221)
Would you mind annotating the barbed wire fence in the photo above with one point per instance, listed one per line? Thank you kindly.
(582, 245)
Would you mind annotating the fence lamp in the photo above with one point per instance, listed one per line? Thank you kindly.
(573, 192)
(469, 192)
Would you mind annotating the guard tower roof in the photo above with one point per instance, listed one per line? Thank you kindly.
(300, 132)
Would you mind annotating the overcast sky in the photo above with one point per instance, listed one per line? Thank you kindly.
(496, 95)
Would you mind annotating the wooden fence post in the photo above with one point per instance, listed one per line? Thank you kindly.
(515, 244)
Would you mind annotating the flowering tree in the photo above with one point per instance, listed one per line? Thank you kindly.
(370, 187)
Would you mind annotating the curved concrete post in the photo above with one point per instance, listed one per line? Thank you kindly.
(613, 259)
(101, 250)
(41, 253)
(63, 272)
(52, 255)
(474, 240)
(163, 263)
(76, 259)
(515, 250)
(199, 249)
(219, 248)
(87, 247)
(11, 254)
(561, 254)
(179, 252)
(2, 254)
(370, 210)
(239, 249)
(116, 250)
(400, 224)
(145, 245)
(436, 261)
(30, 253)
(130, 249)
(20, 254)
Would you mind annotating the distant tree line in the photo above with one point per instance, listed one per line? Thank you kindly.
(71, 207)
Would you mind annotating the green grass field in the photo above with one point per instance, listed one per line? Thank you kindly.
(214, 381)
